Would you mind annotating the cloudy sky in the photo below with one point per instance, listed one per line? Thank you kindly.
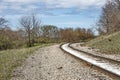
(62, 13)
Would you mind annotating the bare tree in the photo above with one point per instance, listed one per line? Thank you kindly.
(3, 22)
(110, 19)
(26, 23)
(36, 26)
(30, 25)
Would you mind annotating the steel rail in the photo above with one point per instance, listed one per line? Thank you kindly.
(76, 53)
(89, 53)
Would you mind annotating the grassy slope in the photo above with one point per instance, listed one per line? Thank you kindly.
(107, 44)
(10, 59)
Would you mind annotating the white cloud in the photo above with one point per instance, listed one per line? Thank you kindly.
(63, 3)
(17, 5)
(74, 3)
(26, 8)
(3, 7)
(21, 1)
(29, 6)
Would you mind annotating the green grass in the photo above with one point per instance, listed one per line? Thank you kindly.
(109, 44)
(10, 59)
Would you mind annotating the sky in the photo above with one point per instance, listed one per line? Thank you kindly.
(61, 13)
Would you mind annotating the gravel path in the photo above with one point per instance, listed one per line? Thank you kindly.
(50, 63)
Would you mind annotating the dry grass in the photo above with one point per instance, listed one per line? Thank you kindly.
(10, 59)
(107, 44)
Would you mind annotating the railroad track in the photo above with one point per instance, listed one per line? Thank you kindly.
(109, 65)
(89, 53)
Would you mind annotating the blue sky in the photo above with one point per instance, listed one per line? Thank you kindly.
(62, 13)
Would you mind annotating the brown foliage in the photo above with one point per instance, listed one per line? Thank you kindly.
(10, 39)
(76, 35)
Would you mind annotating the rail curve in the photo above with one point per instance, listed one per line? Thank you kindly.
(106, 64)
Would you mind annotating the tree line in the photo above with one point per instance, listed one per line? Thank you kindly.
(31, 32)
(109, 21)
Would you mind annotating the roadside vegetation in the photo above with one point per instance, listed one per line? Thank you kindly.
(108, 28)
(10, 59)
(32, 33)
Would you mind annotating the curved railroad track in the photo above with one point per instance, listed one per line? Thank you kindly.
(108, 65)
(89, 53)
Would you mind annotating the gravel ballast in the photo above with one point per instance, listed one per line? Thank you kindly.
(50, 63)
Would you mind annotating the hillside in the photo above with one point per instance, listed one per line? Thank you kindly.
(107, 44)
